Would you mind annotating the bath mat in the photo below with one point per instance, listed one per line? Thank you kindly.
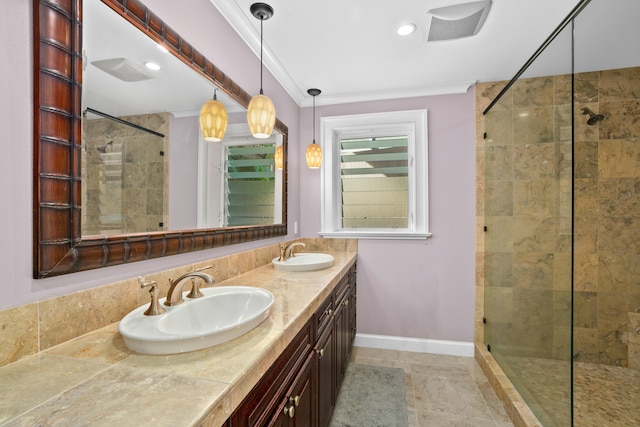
(371, 396)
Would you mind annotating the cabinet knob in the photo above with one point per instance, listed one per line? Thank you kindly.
(321, 353)
(290, 411)
(345, 302)
(294, 400)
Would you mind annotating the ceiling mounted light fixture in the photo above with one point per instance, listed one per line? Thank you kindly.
(152, 66)
(406, 29)
(261, 113)
(314, 151)
(213, 119)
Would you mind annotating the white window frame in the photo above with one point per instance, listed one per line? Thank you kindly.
(412, 123)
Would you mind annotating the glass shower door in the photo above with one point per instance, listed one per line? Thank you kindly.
(528, 229)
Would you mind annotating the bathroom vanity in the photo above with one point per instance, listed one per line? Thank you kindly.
(301, 387)
(286, 371)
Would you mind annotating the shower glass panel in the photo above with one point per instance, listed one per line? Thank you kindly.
(528, 219)
(607, 214)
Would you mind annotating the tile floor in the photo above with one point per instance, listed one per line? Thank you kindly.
(603, 395)
(441, 390)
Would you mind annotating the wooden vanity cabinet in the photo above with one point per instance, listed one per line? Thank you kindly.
(289, 383)
(301, 387)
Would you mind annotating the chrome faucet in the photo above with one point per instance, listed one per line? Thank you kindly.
(174, 296)
(286, 252)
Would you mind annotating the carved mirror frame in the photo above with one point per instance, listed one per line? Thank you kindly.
(57, 88)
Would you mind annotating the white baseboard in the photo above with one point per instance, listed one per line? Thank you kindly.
(418, 345)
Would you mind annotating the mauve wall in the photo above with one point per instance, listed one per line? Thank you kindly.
(201, 25)
(424, 288)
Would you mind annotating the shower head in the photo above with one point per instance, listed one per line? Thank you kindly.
(103, 149)
(593, 117)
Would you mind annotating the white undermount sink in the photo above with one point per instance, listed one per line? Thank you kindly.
(222, 314)
(304, 261)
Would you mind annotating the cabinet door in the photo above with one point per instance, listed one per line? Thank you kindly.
(296, 409)
(342, 343)
(324, 350)
(264, 404)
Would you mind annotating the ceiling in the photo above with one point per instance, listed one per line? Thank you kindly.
(349, 49)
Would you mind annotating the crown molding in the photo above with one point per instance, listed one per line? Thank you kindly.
(378, 95)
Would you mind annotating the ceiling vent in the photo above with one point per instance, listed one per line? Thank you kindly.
(123, 69)
(457, 21)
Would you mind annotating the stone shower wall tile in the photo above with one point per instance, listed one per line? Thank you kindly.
(618, 158)
(497, 125)
(533, 125)
(622, 120)
(533, 92)
(586, 87)
(619, 84)
(562, 89)
(498, 198)
(498, 163)
(534, 161)
(487, 92)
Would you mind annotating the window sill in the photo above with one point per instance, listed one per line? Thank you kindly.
(374, 235)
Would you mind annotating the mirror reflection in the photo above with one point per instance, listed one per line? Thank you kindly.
(141, 110)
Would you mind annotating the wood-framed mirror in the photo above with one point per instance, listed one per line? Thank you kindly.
(59, 247)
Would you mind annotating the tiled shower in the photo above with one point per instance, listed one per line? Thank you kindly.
(559, 229)
(125, 188)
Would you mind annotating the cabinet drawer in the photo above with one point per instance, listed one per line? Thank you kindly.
(323, 316)
(341, 290)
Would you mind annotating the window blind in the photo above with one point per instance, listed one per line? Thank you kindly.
(375, 182)
(250, 185)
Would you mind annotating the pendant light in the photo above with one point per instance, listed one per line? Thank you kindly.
(261, 113)
(314, 151)
(213, 119)
(278, 156)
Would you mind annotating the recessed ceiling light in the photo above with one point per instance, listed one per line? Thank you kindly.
(406, 29)
(152, 66)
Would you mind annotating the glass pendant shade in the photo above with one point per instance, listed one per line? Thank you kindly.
(314, 156)
(261, 116)
(213, 120)
(314, 152)
(279, 157)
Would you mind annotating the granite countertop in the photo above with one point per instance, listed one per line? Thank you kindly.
(96, 380)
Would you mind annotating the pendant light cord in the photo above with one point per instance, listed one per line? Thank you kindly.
(314, 119)
(261, 64)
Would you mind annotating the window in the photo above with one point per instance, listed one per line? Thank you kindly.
(238, 182)
(375, 176)
(250, 184)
